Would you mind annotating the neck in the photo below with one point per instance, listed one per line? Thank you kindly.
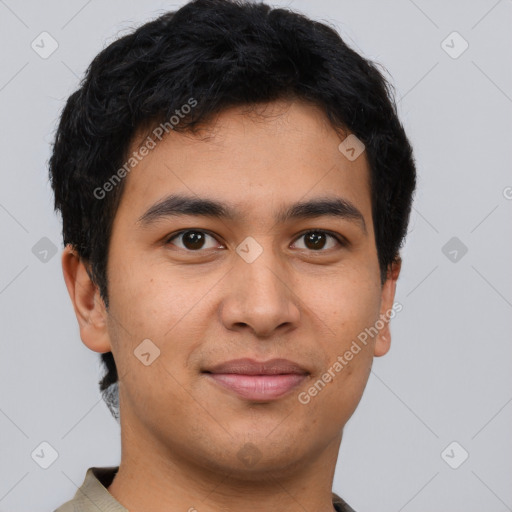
(156, 478)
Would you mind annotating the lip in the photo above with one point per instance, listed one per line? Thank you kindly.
(258, 380)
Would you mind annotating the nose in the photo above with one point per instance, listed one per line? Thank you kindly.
(260, 297)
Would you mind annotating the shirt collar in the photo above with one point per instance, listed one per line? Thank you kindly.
(93, 494)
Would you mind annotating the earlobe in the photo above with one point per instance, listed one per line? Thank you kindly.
(89, 307)
(383, 340)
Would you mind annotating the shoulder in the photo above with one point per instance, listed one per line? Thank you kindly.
(93, 493)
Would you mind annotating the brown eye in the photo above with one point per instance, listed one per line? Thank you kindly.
(316, 240)
(192, 239)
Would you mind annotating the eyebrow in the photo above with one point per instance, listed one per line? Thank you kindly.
(178, 205)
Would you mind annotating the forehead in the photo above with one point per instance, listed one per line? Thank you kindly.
(282, 153)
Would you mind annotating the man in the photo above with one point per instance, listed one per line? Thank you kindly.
(235, 187)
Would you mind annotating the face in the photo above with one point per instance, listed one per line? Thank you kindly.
(256, 276)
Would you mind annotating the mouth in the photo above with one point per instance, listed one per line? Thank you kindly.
(260, 381)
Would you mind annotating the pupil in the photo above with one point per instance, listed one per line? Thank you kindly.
(315, 238)
(193, 239)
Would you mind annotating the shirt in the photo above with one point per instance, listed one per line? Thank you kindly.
(93, 496)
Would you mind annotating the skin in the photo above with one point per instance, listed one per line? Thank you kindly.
(181, 434)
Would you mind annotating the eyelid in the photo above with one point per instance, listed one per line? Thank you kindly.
(342, 241)
(168, 239)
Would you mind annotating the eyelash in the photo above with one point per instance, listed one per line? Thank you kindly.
(340, 239)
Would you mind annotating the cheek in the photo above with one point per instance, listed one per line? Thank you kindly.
(150, 301)
(140, 309)
(344, 307)
(147, 304)
(345, 312)
(150, 344)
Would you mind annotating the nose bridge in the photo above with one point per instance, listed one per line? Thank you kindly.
(262, 281)
(259, 295)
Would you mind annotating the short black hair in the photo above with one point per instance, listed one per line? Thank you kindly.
(220, 54)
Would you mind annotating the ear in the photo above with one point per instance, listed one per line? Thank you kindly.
(89, 307)
(383, 339)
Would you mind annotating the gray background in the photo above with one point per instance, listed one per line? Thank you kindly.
(448, 375)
